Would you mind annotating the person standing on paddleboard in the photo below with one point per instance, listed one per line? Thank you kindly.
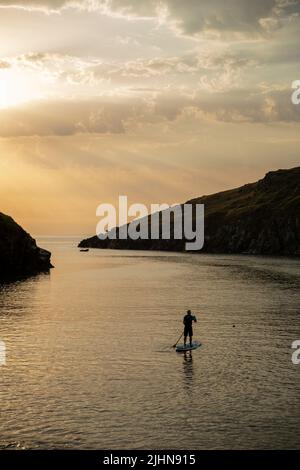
(188, 326)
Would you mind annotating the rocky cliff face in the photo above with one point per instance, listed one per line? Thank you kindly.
(19, 254)
(258, 218)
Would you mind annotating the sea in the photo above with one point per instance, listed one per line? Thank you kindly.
(88, 363)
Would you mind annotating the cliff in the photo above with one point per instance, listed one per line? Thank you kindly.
(19, 254)
(258, 218)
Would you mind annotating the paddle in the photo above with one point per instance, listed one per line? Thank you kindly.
(174, 346)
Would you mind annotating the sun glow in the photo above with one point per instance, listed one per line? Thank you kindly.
(15, 89)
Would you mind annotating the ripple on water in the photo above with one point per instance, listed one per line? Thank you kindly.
(90, 362)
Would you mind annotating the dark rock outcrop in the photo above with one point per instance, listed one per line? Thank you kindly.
(258, 218)
(19, 254)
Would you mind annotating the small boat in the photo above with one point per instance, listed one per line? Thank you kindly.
(84, 250)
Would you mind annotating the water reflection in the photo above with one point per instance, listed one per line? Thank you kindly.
(84, 340)
(188, 370)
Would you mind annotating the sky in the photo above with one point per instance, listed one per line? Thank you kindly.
(158, 100)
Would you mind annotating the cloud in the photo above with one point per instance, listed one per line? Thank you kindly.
(262, 105)
(64, 118)
(4, 65)
(191, 17)
(202, 67)
(230, 16)
(35, 4)
(118, 116)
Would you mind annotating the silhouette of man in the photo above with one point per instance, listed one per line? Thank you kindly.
(188, 326)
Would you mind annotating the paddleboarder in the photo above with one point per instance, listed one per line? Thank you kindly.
(188, 326)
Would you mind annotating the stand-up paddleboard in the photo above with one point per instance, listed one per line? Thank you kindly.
(183, 348)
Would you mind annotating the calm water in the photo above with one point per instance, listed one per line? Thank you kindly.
(89, 363)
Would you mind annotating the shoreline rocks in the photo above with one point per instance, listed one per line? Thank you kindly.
(20, 256)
